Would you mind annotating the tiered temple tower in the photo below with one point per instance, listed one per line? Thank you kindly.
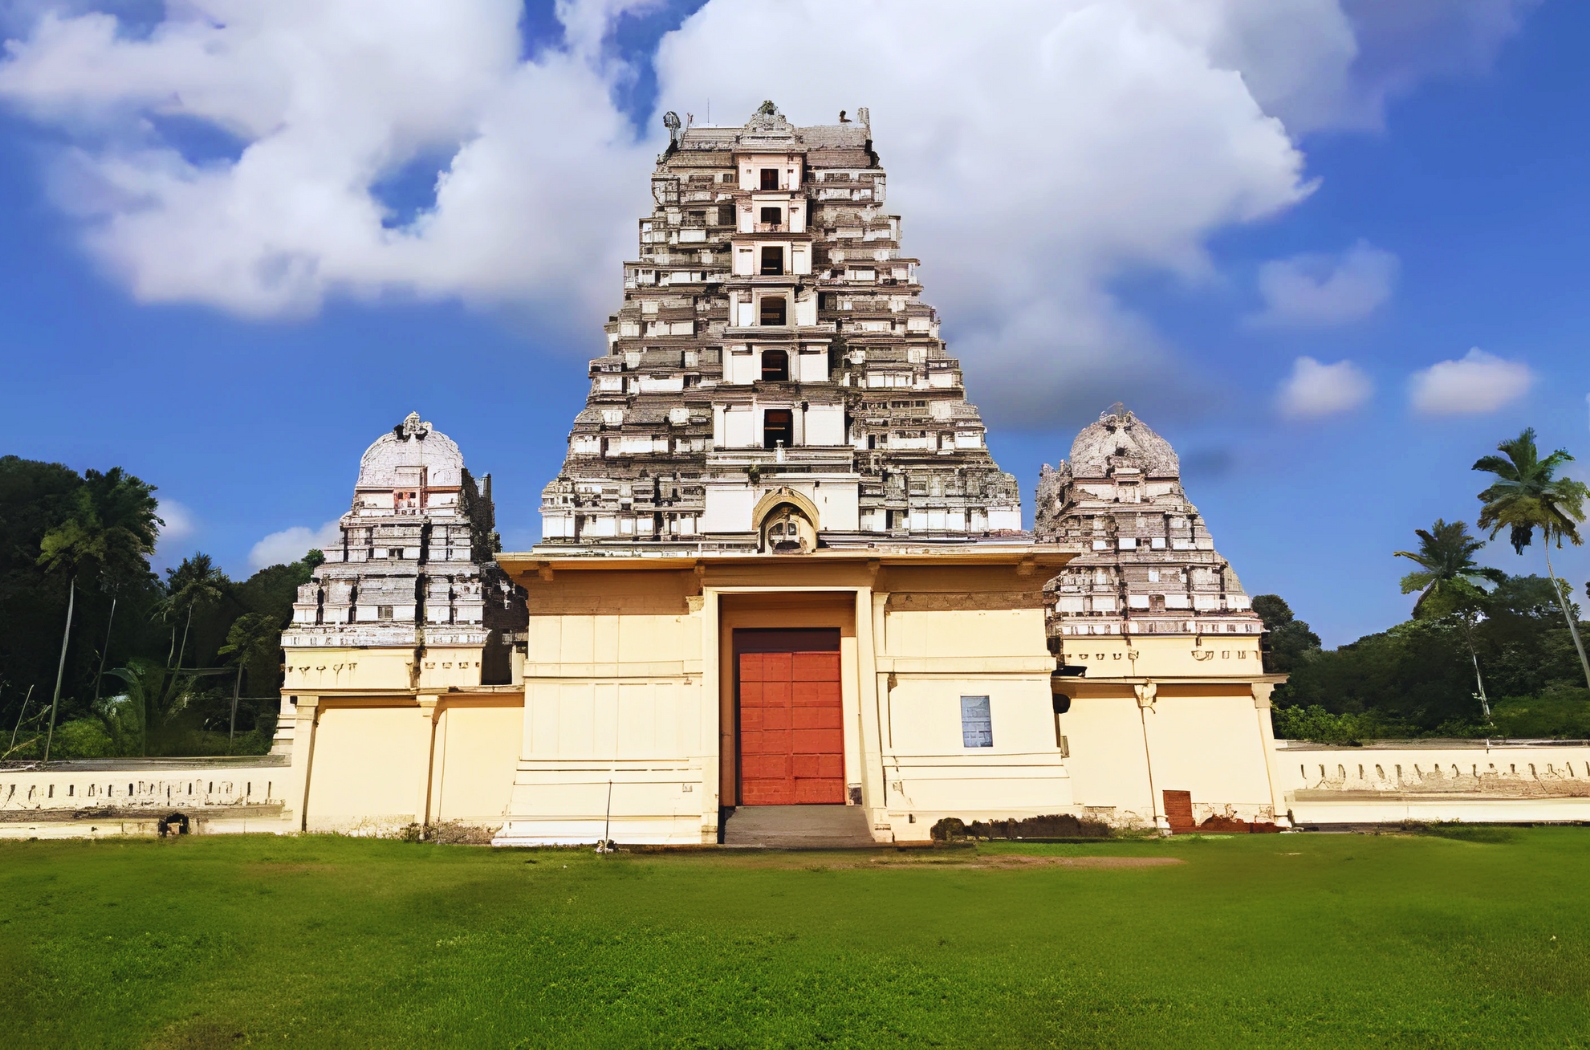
(1149, 567)
(414, 571)
(773, 380)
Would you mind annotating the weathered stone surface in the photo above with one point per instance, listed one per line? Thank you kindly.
(1149, 565)
(772, 339)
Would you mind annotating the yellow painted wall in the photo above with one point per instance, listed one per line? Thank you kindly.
(1212, 747)
(315, 670)
(476, 750)
(1108, 765)
(365, 768)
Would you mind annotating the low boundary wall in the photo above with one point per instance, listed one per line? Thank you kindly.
(1500, 781)
(104, 797)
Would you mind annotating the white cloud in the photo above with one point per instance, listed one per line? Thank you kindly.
(1081, 139)
(1317, 290)
(327, 98)
(1324, 64)
(179, 521)
(1314, 390)
(1474, 384)
(289, 545)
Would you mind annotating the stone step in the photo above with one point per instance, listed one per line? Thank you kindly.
(798, 827)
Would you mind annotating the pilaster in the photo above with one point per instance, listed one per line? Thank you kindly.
(869, 630)
(1261, 708)
(713, 739)
(306, 715)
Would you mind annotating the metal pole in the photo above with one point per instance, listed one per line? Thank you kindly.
(606, 845)
(60, 670)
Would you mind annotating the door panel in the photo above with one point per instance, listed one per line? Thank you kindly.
(791, 736)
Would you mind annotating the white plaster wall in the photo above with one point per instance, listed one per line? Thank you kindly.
(728, 509)
(740, 428)
(1475, 782)
(837, 504)
(825, 425)
(814, 364)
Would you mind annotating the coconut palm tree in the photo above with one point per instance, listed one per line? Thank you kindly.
(1450, 583)
(195, 582)
(106, 536)
(1527, 495)
(254, 644)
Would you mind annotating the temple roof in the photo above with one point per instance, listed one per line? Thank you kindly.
(1119, 435)
(394, 459)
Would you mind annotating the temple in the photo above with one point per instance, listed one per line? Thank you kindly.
(782, 597)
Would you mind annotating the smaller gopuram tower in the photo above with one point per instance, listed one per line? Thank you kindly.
(412, 581)
(1149, 566)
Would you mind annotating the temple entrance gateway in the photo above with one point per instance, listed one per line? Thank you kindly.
(791, 737)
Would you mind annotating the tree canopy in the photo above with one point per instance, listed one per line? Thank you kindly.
(100, 528)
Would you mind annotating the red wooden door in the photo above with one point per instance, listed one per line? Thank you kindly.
(792, 745)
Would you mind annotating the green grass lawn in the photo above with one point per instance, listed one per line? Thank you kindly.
(1280, 940)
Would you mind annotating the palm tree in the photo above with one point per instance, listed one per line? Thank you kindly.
(154, 698)
(106, 536)
(195, 582)
(1449, 583)
(254, 643)
(1527, 495)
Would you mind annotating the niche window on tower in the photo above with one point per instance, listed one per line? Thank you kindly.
(775, 366)
(772, 217)
(770, 178)
(778, 428)
(772, 262)
(773, 310)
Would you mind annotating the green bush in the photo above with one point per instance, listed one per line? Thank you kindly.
(1052, 826)
(1561, 712)
(1317, 724)
(81, 738)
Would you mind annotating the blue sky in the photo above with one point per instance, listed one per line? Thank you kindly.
(1462, 189)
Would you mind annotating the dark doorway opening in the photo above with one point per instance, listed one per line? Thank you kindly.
(772, 262)
(778, 428)
(770, 178)
(774, 310)
(775, 366)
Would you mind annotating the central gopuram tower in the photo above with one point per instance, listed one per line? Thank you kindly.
(773, 380)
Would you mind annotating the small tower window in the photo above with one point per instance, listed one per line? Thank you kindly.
(773, 308)
(773, 262)
(778, 428)
(770, 178)
(385, 612)
(773, 216)
(775, 366)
